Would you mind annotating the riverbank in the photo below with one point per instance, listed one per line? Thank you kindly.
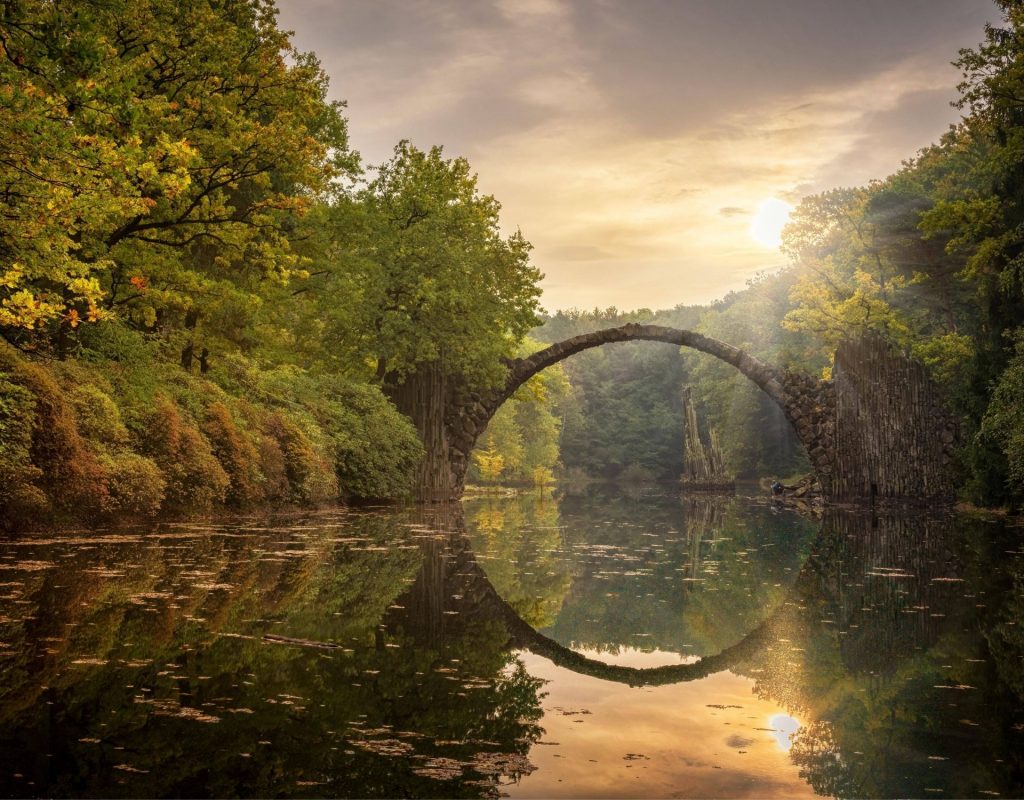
(120, 434)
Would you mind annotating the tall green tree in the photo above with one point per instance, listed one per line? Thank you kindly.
(415, 271)
(157, 156)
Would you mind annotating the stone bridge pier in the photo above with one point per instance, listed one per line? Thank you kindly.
(876, 430)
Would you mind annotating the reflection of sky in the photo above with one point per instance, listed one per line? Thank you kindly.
(707, 738)
(640, 659)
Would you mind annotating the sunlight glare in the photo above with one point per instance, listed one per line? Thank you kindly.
(769, 220)
(784, 727)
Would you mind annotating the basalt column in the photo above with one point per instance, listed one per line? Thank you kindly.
(424, 398)
(894, 437)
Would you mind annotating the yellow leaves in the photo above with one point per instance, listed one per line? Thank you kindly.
(116, 166)
(490, 462)
(537, 389)
(23, 309)
(13, 276)
(947, 357)
(146, 171)
(87, 288)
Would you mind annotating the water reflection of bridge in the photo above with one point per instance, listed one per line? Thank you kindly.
(880, 581)
(897, 641)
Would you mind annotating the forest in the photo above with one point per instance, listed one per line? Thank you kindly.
(208, 301)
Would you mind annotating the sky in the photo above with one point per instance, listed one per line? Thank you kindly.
(647, 148)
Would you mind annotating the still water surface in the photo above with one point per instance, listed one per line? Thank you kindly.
(597, 644)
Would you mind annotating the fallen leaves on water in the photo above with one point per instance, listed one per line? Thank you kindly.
(502, 764)
(440, 769)
(169, 708)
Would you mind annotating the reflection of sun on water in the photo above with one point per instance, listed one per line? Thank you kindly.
(769, 220)
(784, 726)
(712, 737)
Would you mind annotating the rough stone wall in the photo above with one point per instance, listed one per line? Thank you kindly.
(810, 405)
(893, 437)
(425, 399)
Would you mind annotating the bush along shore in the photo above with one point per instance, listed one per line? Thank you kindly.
(98, 440)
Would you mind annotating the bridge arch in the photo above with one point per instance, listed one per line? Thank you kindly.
(879, 429)
(527, 637)
(806, 402)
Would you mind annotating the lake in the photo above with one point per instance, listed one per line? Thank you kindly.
(595, 642)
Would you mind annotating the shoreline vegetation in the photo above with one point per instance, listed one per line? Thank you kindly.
(208, 303)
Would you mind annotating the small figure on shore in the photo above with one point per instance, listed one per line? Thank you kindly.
(776, 488)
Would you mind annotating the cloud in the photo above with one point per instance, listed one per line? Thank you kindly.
(592, 181)
(628, 141)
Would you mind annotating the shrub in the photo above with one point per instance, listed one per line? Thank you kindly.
(68, 472)
(274, 469)
(236, 455)
(311, 476)
(19, 498)
(195, 479)
(134, 484)
(97, 416)
(376, 448)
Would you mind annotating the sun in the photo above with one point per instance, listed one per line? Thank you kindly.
(769, 220)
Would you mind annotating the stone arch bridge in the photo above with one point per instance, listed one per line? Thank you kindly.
(876, 430)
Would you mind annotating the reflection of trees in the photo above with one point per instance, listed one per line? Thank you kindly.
(517, 539)
(1006, 637)
(714, 570)
(744, 560)
(821, 764)
(703, 517)
(887, 658)
(414, 681)
(155, 680)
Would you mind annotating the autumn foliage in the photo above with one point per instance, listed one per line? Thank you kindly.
(84, 445)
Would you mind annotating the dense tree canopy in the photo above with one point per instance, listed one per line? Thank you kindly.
(179, 197)
(412, 269)
(156, 158)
